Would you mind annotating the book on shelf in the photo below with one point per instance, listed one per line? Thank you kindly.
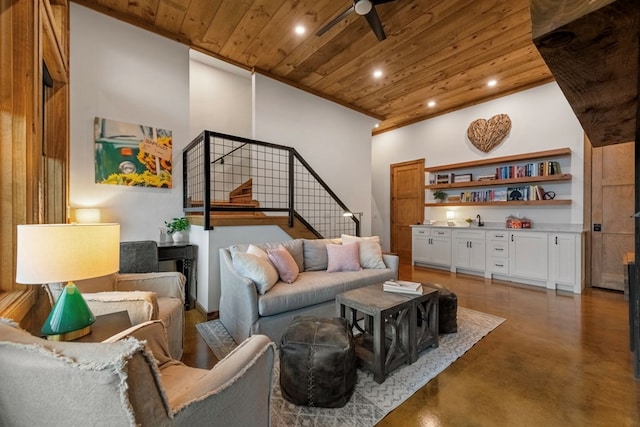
(403, 287)
(528, 170)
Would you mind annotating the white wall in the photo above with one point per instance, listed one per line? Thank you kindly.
(127, 74)
(220, 97)
(334, 140)
(541, 120)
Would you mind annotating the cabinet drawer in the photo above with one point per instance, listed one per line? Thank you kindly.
(499, 249)
(499, 236)
(421, 232)
(440, 233)
(499, 265)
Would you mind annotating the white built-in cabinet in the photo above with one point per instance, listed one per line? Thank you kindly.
(565, 266)
(528, 255)
(540, 258)
(497, 253)
(431, 246)
(469, 251)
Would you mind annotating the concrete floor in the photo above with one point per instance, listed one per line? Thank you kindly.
(558, 360)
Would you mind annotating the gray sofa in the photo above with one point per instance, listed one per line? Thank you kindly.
(244, 311)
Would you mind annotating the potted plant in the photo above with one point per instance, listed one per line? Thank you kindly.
(439, 195)
(177, 228)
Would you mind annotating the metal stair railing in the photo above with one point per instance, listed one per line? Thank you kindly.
(214, 164)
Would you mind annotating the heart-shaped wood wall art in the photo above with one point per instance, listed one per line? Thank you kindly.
(485, 135)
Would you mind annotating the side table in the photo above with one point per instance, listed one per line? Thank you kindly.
(107, 325)
(185, 256)
(391, 333)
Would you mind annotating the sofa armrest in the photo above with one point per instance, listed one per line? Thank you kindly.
(141, 306)
(238, 299)
(166, 284)
(244, 375)
(392, 261)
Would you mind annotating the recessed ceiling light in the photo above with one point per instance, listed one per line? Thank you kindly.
(300, 29)
(492, 83)
(377, 74)
(431, 104)
(377, 125)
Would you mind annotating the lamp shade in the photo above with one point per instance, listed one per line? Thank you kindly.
(50, 253)
(87, 215)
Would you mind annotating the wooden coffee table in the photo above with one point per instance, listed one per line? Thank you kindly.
(393, 327)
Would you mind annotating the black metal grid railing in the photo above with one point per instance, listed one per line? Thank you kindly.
(217, 165)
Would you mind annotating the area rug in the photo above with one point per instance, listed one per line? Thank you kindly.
(370, 401)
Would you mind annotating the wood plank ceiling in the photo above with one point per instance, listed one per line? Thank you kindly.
(436, 50)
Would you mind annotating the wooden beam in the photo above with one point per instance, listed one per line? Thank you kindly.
(592, 50)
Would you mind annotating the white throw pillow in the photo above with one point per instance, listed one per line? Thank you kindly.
(370, 250)
(257, 269)
(253, 249)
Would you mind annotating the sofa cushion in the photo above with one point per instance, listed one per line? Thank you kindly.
(315, 253)
(259, 252)
(343, 258)
(315, 287)
(141, 306)
(370, 250)
(293, 246)
(284, 264)
(257, 269)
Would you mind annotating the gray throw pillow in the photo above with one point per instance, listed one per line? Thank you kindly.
(315, 254)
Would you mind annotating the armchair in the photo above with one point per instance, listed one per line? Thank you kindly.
(145, 296)
(129, 379)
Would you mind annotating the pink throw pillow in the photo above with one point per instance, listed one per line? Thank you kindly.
(284, 262)
(343, 258)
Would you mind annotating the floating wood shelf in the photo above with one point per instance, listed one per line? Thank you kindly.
(504, 203)
(490, 183)
(497, 182)
(506, 159)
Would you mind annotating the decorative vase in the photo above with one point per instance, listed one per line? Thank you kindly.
(179, 236)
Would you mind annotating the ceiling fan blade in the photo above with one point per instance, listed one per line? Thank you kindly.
(335, 20)
(377, 2)
(374, 22)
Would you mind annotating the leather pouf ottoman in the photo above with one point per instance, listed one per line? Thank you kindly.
(448, 309)
(318, 362)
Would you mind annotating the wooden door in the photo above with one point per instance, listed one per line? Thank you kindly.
(407, 204)
(612, 207)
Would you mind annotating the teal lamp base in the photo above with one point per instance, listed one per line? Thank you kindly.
(70, 317)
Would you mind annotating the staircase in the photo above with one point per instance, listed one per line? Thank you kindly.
(233, 181)
(241, 198)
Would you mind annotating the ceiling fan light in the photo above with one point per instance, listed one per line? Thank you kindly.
(363, 7)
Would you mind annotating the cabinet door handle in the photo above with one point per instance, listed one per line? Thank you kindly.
(499, 249)
(499, 235)
(556, 240)
(512, 237)
(499, 265)
(470, 245)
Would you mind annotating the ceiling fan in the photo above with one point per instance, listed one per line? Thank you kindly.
(366, 8)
